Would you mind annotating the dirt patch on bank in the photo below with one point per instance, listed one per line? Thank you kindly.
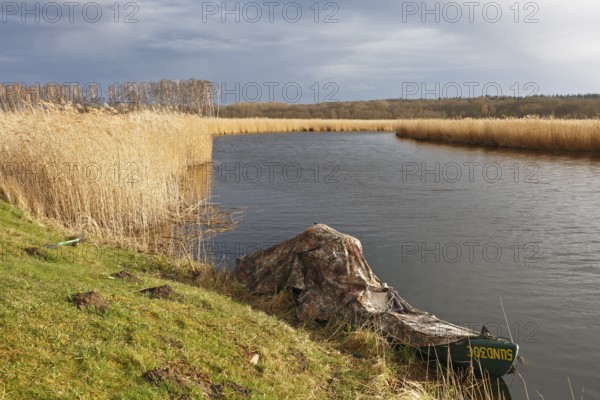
(126, 276)
(37, 253)
(186, 377)
(90, 299)
(161, 292)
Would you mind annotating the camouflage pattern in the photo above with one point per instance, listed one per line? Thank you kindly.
(328, 273)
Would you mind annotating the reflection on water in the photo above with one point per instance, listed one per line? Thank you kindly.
(184, 237)
(196, 183)
(201, 220)
(453, 229)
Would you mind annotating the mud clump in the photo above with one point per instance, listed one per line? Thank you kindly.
(37, 253)
(90, 299)
(34, 251)
(160, 292)
(126, 276)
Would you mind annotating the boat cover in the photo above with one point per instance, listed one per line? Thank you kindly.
(329, 275)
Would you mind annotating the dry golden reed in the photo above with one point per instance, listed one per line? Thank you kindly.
(117, 174)
(226, 126)
(528, 133)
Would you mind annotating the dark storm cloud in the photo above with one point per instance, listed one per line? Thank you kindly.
(346, 50)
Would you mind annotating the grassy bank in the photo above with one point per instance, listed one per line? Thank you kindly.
(535, 134)
(202, 343)
(50, 349)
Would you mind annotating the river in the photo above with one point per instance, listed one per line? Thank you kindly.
(458, 231)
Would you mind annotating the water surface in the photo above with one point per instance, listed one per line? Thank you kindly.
(453, 229)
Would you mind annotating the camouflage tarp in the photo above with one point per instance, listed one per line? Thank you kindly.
(329, 274)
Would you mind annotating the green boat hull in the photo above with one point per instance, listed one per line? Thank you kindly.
(493, 356)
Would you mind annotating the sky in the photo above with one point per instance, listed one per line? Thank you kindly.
(309, 51)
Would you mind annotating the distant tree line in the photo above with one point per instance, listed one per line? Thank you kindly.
(570, 107)
(192, 96)
(17, 97)
(197, 97)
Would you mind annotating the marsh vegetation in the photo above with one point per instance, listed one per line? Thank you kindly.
(528, 133)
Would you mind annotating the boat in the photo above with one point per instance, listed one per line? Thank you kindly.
(450, 344)
(329, 276)
(487, 355)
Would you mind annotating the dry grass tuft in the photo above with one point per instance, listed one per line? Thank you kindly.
(528, 133)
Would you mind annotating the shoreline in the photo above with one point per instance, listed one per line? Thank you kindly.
(242, 126)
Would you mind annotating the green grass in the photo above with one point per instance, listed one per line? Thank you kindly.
(52, 350)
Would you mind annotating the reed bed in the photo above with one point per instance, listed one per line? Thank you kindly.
(119, 175)
(527, 133)
(226, 126)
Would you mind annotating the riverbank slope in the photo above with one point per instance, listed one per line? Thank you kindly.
(197, 343)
